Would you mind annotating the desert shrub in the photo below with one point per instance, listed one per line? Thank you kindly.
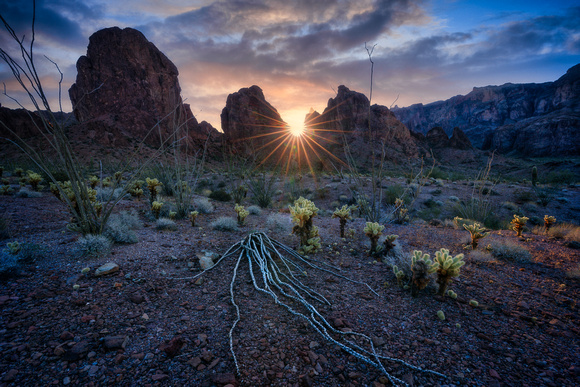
(203, 206)
(561, 177)
(225, 223)
(239, 193)
(574, 273)
(262, 189)
(120, 227)
(510, 206)
(108, 193)
(565, 231)
(93, 246)
(480, 256)
(165, 224)
(220, 195)
(279, 223)
(510, 251)
(26, 193)
(254, 210)
(438, 173)
(523, 196)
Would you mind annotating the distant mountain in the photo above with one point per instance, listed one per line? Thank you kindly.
(530, 119)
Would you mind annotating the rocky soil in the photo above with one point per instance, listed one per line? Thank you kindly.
(142, 325)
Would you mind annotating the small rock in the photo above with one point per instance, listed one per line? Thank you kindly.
(136, 298)
(77, 351)
(107, 268)
(115, 342)
(66, 381)
(93, 370)
(493, 373)
(523, 304)
(10, 375)
(67, 336)
(224, 379)
(172, 347)
(159, 377)
(194, 362)
(206, 356)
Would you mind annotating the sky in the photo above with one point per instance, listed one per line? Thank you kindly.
(300, 51)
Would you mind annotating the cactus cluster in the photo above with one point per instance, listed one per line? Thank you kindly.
(34, 179)
(549, 222)
(421, 266)
(136, 189)
(389, 243)
(477, 232)
(156, 208)
(518, 223)
(343, 214)
(374, 230)
(242, 214)
(192, 217)
(154, 186)
(446, 267)
(399, 274)
(68, 190)
(401, 211)
(302, 214)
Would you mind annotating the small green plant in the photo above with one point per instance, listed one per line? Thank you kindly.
(165, 224)
(422, 267)
(224, 223)
(302, 214)
(156, 208)
(93, 182)
(446, 267)
(549, 221)
(18, 172)
(193, 216)
(373, 230)
(477, 232)
(534, 176)
(518, 223)
(389, 243)
(6, 190)
(172, 215)
(93, 246)
(153, 185)
(441, 315)
(242, 214)
(13, 247)
(343, 214)
(262, 189)
(400, 275)
(34, 179)
(473, 303)
(221, 195)
(452, 294)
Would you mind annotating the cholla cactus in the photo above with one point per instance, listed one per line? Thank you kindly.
(98, 206)
(242, 214)
(13, 247)
(302, 213)
(400, 274)
(107, 182)
(518, 223)
(93, 181)
(193, 216)
(153, 187)
(373, 230)
(421, 266)
(549, 222)
(446, 267)
(172, 215)
(156, 208)
(118, 177)
(401, 212)
(6, 190)
(343, 214)
(136, 190)
(18, 172)
(477, 233)
(34, 180)
(389, 243)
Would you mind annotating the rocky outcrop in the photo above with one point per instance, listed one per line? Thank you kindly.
(249, 122)
(347, 117)
(127, 90)
(543, 115)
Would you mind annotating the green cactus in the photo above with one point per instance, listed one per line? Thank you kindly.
(153, 185)
(18, 172)
(452, 294)
(446, 267)
(473, 303)
(343, 214)
(389, 243)
(421, 266)
(302, 213)
(441, 315)
(156, 208)
(93, 181)
(518, 223)
(373, 230)
(401, 212)
(13, 247)
(399, 274)
(549, 222)
(534, 176)
(193, 216)
(476, 232)
(242, 214)
(172, 215)
(34, 180)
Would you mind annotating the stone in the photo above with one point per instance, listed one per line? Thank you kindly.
(136, 298)
(159, 377)
(10, 375)
(77, 351)
(107, 268)
(124, 87)
(66, 336)
(224, 379)
(115, 342)
(173, 346)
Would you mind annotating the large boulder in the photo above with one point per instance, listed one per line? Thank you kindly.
(127, 91)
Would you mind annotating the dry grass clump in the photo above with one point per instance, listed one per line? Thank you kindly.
(165, 224)
(225, 223)
(93, 246)
(279, 223)
(511, 251)
(567, 231)
(480, 257)
(203, 206)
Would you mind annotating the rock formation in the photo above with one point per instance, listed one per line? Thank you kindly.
(249, 122)
(127, 90)
(532, 119)
(436, 138)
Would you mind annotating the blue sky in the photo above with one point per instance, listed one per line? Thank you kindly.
(300, 51)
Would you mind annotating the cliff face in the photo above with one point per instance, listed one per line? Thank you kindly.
(124, 87)
(533, 119)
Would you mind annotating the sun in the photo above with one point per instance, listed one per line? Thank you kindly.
(295, 126)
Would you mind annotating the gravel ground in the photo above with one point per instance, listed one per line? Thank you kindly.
(143, 326)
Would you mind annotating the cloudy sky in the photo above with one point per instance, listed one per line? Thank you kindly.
(300, 51)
